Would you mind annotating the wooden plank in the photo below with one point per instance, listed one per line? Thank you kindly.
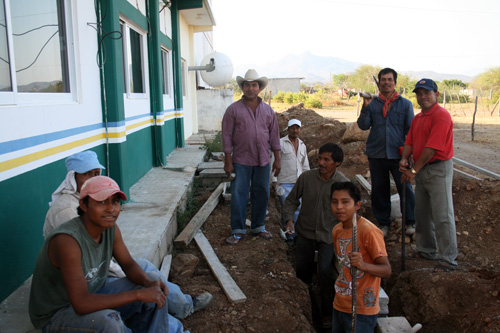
(476, 168)
(186, 236)
(230, 288)
(364, 183)
(165, 265)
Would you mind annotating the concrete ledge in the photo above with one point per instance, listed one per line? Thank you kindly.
(14, 317)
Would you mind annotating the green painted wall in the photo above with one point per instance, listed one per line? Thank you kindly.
(168, 136)
(137, 156)
(23, 205)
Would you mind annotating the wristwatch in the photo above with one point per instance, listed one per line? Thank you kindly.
(413, 171)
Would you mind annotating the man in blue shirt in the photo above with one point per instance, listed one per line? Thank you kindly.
(388, 117)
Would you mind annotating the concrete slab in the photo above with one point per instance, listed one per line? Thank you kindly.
(393, 325)
(148, 222)
(14, 316)
(210, 165)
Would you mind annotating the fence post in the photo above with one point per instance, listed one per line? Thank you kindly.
(444, 99)
(473, 121)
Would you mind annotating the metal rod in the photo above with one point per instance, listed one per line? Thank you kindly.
(403, 226)
(354, 272)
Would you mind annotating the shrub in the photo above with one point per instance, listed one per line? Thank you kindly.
(288, 98)
(279, 97)
(299, 97)
(214, 145)
(313, 102)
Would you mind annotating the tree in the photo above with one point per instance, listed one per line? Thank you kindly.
(405, 83)
(454, 84)
(489, 80)
(340, 80)
(362, 78)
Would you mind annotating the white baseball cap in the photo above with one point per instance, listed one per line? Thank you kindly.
(294, 122)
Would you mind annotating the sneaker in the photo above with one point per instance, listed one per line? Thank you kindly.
(385, 230)
(202, 301)
(410, 230)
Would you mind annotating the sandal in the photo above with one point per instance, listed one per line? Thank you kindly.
(414, 255)
(234, 239)
(444, 268)
(263, 234)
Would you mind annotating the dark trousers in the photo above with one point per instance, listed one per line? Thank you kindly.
(381, 191)
(305, 268)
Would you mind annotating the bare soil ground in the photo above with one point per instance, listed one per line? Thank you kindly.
(466, 300)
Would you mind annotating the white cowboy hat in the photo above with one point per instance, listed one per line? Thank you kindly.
(251, 75)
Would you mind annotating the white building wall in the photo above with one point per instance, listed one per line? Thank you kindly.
(140, 5)
(283, 84)
(211, 104)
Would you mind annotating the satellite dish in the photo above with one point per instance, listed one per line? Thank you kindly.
(223, 69)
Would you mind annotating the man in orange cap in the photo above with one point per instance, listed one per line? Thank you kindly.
(69, 288)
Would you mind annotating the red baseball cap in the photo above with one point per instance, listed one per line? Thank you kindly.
(100, 188)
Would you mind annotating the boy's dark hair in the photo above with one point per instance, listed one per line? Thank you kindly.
(334, 149)
(86, 203)
(352, 189)
(388, 70)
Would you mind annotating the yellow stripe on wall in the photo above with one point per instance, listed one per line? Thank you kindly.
(16, 162)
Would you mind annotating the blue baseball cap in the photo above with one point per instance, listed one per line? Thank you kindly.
(427, 84)
(83, 162)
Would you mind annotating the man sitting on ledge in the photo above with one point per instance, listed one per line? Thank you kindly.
(69, 289)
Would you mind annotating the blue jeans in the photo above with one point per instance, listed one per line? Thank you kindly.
(381, 191)
(140, 317)
(259, 197)
(288, 188)
(342, 322)
(180, 305)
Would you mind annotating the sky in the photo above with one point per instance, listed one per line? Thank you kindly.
(444, 36)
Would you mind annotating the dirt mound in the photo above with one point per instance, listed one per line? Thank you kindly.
(466, 300)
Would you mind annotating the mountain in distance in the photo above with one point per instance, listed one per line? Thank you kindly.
(437, 76)
(311, 67)
(319, 69)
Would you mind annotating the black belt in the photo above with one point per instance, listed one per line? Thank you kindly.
(434, 162)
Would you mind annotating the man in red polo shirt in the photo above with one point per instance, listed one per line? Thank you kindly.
(430, 140)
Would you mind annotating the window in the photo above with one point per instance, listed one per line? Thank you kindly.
(183, 77)
(165, 62)
(33, 47)
(133, 61)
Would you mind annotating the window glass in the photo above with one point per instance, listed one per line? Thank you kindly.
(38, 31)
(135, 62)
(166, 67)
(5, 77)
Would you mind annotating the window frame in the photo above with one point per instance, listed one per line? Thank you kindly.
(184, 73)
(166, 70)
(125, 27)
(15, 97)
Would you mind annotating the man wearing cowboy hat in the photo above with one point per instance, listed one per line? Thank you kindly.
(249, 129)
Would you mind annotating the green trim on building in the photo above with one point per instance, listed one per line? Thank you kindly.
(177, 65)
